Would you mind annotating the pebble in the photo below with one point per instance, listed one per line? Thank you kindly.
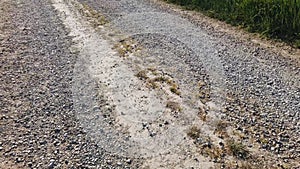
(109, 162)
(51, 164)
(128, 161)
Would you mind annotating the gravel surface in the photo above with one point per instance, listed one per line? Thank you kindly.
(257, 89)
(68, 100)
(38, 126)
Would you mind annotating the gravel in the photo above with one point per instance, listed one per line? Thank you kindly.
(257, 89)
(38, 125)
(253, 88)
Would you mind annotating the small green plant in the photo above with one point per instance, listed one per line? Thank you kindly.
(237, 149)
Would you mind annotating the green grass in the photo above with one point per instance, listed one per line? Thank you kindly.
(279, 19)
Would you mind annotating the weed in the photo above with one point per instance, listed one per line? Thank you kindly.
(152, 84)
(174, 106)
(221, 125)
(170, 82)
(157, 80)
(152, 69)
(201, 84)
(204, 92)
(214, 152)
(121, 52)
(194, 132)
(174, 89)
(237, 149)
(207, 148)
(126, 46)
(246, 165)
(203, 115)
(96, 18)
(160, 79)
(221, 128)
(142, 75)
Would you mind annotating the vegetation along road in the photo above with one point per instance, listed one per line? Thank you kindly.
(143, 84)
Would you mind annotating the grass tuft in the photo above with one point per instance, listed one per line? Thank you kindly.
(174, 89)
(174, 106)
(194, 132)
(95, 17)
(237, 149)
(142, 75)
(202, 114)
(221, 128)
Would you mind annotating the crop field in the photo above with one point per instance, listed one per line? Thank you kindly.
(279, 19)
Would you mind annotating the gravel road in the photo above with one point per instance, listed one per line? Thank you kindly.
(122, 83)
(38, 125)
